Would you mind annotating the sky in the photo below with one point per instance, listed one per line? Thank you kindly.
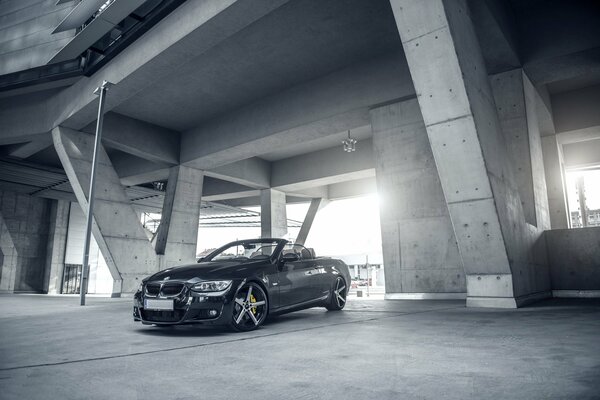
(592, 188)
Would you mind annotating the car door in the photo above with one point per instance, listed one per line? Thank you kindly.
(296, 283)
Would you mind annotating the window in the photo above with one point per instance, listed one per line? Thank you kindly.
(583, 193)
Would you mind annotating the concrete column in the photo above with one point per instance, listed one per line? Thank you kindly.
(178, 231)
(273, 216)
(509, 97)
(57, 245)
(313, 209)
(500, 251)
(9, 255)
(116, 226)
(555, 184)
(420, 252)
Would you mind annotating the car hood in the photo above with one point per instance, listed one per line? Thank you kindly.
(209, 270)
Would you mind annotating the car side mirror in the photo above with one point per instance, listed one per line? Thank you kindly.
(201, 259)
(290, 257)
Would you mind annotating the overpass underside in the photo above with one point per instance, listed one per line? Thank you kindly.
(242, 103)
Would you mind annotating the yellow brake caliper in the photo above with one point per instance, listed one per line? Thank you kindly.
(253, 300)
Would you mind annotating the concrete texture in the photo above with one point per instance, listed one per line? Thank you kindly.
(116, 226)
(420, 252)
(57, 246)
(555, 183)
(509, 95)
(178, 232)
(502, 254)
(373, 349)
(24, 230)
(25, 32)
(273, 215)
(574, 258)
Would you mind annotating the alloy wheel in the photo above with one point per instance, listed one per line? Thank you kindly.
(250, 307)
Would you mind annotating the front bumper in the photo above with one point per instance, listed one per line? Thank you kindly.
(189, 308)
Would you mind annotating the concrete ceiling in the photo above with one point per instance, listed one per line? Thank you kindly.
(298, 42)
(361, 133)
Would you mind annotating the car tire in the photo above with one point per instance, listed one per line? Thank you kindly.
(250, 308)
(337, 298)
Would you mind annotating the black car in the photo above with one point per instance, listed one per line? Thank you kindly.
(240, 284)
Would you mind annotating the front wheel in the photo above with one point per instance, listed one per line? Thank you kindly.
(337, 299)
(250, 308)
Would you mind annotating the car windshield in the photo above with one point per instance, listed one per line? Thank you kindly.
(245, 251)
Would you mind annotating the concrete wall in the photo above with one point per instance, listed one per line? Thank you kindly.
(419, 247)
(26, 39)
(26, 222)
(574, 258)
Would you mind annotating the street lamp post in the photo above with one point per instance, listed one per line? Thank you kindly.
(85, 270)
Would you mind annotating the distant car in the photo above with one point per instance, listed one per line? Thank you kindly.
(240, 284)
(358, 282)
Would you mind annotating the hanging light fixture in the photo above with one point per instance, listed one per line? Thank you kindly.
(349, 144)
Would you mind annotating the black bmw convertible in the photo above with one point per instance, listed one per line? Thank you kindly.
(240, 284)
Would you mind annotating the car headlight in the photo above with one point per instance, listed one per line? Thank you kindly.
(211, 286)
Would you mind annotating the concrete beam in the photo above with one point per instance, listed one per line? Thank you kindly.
(582, 154)
(309, 111)
(324, 167)
(579, 135)
(139, 138)
(136, 171)
(577, 109)
(253, 172)
(355, 188)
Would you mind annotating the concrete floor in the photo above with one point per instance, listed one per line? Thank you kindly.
(51, 348)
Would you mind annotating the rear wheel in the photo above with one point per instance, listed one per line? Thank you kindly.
(337, 299)
(250, 308)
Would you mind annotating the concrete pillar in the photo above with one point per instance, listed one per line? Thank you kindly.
(273, 215)
(57, 245)
(509, 97)
(420, 252)
(116, 226)
(9, 255)
(500, 251)
(315, 206)
(555, 183)
(177, 234)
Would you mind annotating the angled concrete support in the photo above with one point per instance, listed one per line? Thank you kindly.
(419, 247)
(178, 231)
(313, 209)
(116, 226)
(502, 254)
(57, 245)
(555, 182)
(273, 215)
